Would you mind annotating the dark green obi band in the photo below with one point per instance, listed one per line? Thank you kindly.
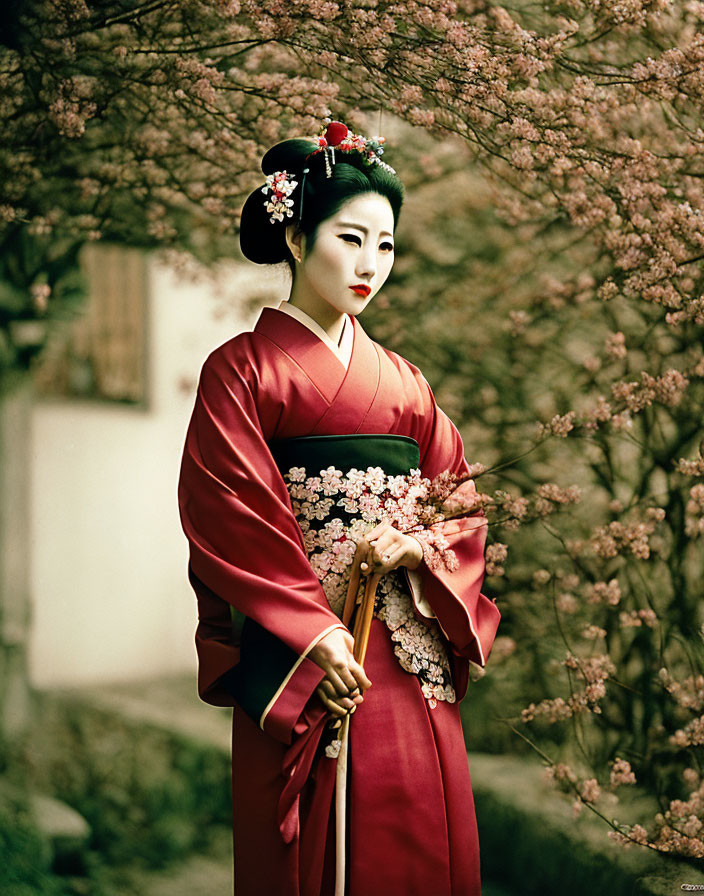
(395, 455)
(265, 661)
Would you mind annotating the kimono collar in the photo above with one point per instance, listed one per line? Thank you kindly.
(343, 351)
(350, 390)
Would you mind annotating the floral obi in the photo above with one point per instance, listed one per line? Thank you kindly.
(341, 487)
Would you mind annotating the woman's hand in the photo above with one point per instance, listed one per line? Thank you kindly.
(345, 680)
(385, 548)
(341, 690)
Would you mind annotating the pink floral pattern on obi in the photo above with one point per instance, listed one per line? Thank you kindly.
(335, 510)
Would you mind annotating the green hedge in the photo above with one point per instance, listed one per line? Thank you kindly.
(24, 856)
(147, 793)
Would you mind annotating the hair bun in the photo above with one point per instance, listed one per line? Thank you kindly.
(289, 155)
(260, 240)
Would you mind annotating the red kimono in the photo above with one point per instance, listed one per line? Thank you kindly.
(272, 531)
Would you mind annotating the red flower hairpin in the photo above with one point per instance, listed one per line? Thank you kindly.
(337, 135)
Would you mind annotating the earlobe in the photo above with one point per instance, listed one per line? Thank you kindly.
(294, 241)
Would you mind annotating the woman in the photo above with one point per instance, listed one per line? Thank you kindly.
(312, 452)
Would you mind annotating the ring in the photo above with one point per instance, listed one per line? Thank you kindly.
(386, 557)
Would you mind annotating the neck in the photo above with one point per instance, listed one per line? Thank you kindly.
(329, 318)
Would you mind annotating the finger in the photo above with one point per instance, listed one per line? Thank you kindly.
(331, 705)
(344, 703)
(340, 686)
(388, 541)
(377, 530)
(381, 560)
(347, 676)
(394, 559)
(336, 710)
(370, 555)
(327, 688)
(360, 676)
(375, 553)
(360, 555)
(383, 550)
(365, 556)
(385, 536)
(333, 697)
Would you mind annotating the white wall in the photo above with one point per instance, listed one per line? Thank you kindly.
(111, 600)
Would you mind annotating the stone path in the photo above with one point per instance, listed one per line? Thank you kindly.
(207, 875)
(196, 877)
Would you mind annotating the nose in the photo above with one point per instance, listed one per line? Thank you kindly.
(365, 268)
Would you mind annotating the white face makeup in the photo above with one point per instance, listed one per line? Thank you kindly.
(353, 248)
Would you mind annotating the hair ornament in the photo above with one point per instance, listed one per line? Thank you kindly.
(306, 171)
(279, 205)
(337, 135)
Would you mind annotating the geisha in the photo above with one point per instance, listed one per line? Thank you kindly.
(317, 462)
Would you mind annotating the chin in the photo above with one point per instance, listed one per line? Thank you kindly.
(353, 304)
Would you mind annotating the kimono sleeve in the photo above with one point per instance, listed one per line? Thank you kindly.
(246, 548)
(468, 618)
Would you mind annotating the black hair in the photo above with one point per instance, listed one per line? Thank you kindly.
(352, 175)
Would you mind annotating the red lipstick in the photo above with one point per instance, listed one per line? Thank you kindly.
(361, 289)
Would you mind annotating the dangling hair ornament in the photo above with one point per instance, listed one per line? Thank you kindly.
(281, 187)
(303, 185)
(337, 135)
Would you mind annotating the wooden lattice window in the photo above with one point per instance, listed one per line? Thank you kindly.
(100, 352)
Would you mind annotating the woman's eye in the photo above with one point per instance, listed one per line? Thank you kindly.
(357, 241)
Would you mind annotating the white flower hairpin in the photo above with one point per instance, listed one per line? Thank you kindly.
(279, 205)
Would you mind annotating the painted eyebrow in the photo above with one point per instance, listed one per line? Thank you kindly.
(360, 227)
